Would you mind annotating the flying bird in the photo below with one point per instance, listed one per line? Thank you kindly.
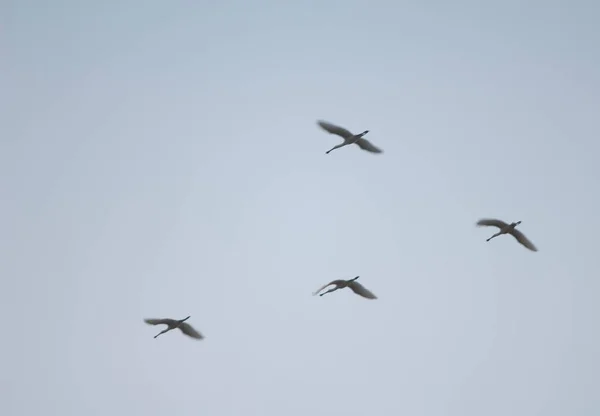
(507, 229)
(352, 284)
(174, 323)
(348, 137)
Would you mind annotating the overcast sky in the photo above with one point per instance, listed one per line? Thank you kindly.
(162, 159)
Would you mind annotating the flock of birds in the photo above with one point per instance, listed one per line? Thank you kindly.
(360, 141)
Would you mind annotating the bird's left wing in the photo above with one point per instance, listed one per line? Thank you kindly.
(333, 129)
(491, 222)
(156, 321)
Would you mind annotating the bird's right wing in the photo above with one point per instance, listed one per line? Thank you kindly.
(333, 129)
(368, 146)
(333, 282)
(486, 222)
(522, 239)
(190, 331)
(361, 290)
(158, 321)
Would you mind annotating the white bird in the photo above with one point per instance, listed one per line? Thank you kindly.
(173, 323)
(348, 137)
(352, 284)
(507, 229)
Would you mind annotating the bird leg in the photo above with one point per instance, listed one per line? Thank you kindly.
(162, 332)
(495, 235)
(329, 291)
(335, 147)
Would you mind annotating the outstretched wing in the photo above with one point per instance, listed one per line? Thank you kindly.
(522, 239)
(190, 331)
(368, 146)
(159, 321)
(333, 282)
(361, 290)
(333, 129)
(486, 222)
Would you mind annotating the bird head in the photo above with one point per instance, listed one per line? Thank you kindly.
(363, 133)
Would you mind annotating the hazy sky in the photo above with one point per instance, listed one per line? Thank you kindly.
(162, 159)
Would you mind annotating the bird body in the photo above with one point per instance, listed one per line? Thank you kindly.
(506, 228)
(186, 328)
(348, 137)
(352, 284)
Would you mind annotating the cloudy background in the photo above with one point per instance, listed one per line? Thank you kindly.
(161, 159)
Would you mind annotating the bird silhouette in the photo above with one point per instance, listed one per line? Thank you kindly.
(186, 328)
(352, 284)
(506, 229)
(348, 137)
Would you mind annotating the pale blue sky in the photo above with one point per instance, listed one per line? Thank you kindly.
(161, 159)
